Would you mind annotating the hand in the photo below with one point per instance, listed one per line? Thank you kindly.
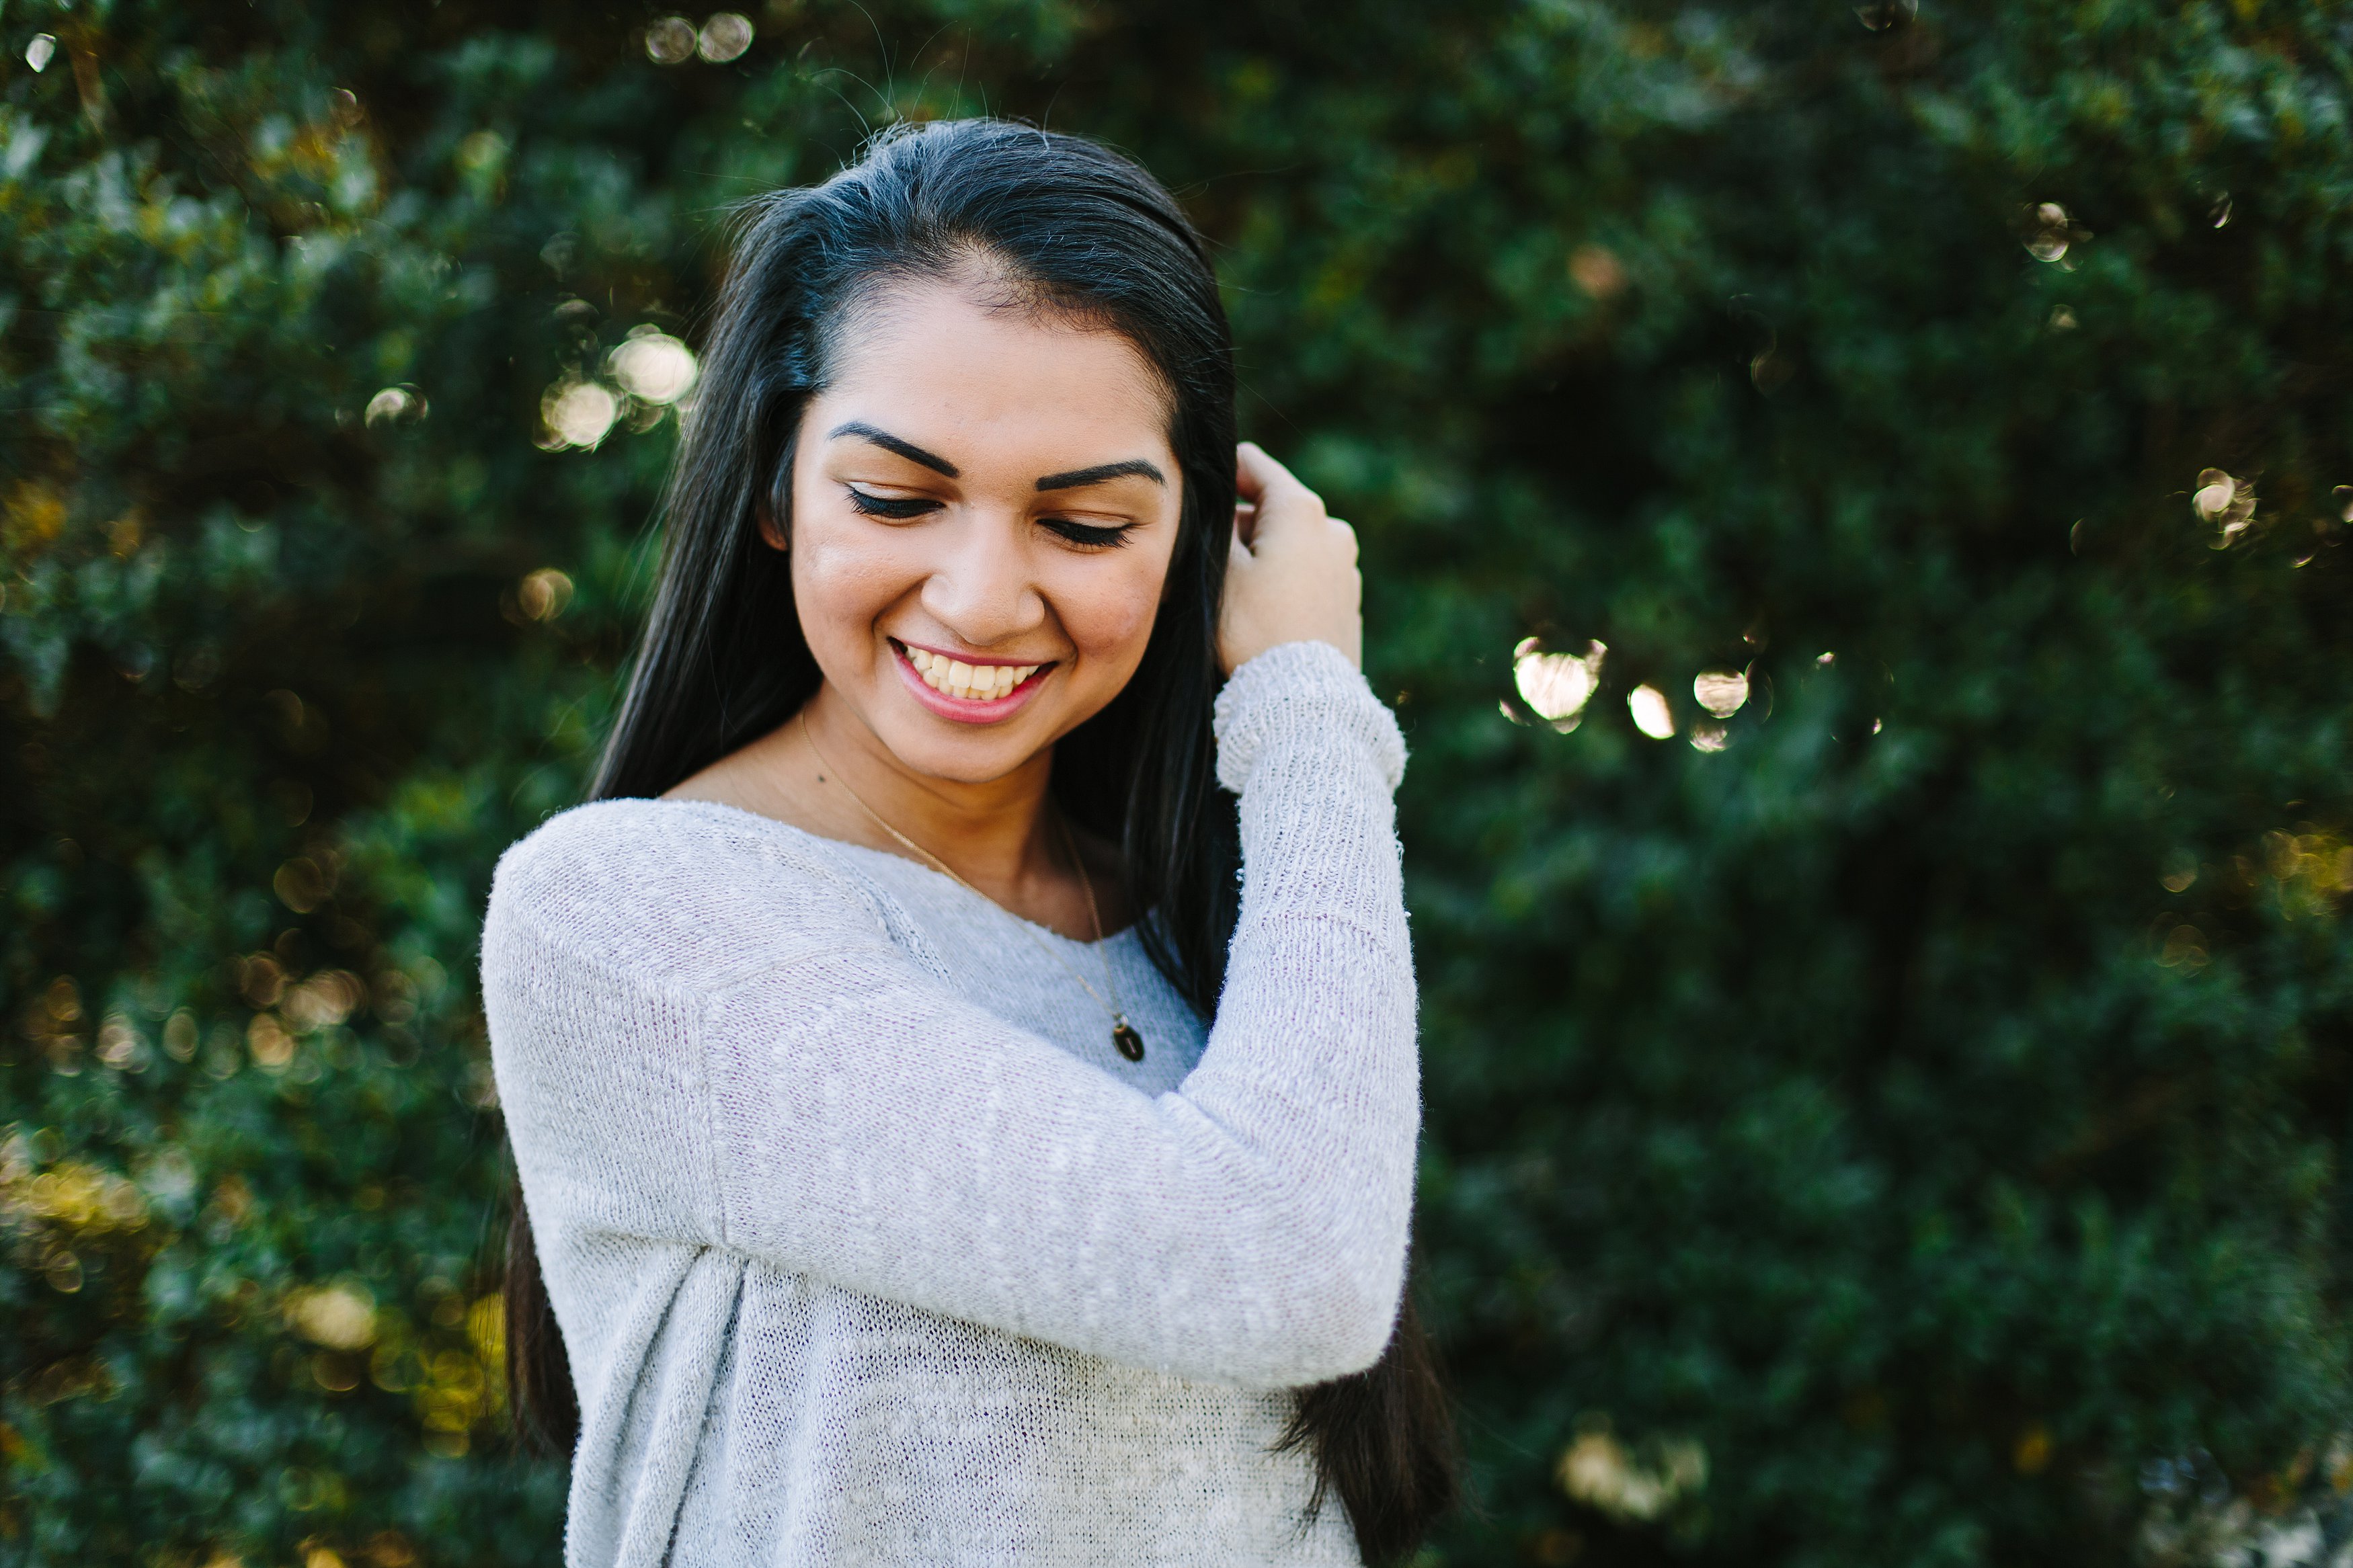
(1291, 576)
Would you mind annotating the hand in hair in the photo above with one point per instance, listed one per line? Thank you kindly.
(1291, 576)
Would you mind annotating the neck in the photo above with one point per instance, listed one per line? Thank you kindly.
(993, 834)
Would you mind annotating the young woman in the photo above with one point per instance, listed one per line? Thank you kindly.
(951, 1130)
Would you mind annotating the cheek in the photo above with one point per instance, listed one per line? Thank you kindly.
(1112, 620)
(843, 578)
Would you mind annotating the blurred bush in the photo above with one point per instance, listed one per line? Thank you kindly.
(1852, 503)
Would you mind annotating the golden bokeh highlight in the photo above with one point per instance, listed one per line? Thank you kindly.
(1596, 269)
(577, 414)
(1602, 1473)
(1722, 693)
(342, 1317)
(543, 595)
(270, 1041)
(1557, 686)
(653, 366)
(1648, 706)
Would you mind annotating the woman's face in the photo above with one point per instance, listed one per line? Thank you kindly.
(984, 507)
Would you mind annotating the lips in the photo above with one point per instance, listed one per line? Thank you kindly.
(969, 692)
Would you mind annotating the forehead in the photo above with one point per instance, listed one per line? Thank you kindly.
(956, 360)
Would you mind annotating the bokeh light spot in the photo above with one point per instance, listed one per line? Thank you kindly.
(2049, 241)
(483, 152)
(1721, 691)
(40, 51)
(544, 593)
(324, 1000)
(2226, 502)
(670, 41)
(301, 884)
(1647, 705)
(340, 1317)
(2185, 948)
(272, 1046)
(723, 38)
(398, 406)
(653, 366)
(579, 413)
(1598, 1471)
(1597, 270)
(2050, 233)
(1557, 686)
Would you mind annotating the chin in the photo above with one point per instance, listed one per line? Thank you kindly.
(942, 749)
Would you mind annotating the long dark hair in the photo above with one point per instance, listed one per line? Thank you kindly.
(1072, 228)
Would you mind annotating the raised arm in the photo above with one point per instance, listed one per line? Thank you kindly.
(750, 1063)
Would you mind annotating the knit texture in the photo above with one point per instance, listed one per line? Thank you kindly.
(868, 1247)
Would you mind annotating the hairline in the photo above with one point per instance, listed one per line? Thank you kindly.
(985, 277)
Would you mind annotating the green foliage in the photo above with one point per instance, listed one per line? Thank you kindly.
(1900, 1121)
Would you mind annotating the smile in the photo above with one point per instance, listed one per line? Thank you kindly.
(967, 692)
(973, 682)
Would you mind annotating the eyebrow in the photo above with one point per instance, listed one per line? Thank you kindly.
(906, 449)
(1134, 467)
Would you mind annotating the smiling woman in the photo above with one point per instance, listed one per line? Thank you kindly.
(930, 1149)
(991, 493)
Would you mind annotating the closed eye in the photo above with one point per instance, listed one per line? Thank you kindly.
(1087, 533)
(899, 507)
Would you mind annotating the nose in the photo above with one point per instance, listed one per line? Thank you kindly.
(981, 588)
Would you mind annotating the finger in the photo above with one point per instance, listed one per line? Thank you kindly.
(1250, 481)
(1259, 477)
(1348, 533)
(1283, 505)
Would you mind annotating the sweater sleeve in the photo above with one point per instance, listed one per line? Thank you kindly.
(746, 1061)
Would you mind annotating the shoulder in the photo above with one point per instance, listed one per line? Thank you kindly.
(675, 889)
(653, 833)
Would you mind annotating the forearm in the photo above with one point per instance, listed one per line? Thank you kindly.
(741, 1058)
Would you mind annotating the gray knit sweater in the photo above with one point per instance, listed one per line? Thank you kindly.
(867, 1246)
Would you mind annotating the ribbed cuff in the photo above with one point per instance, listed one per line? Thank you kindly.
(1301, 688)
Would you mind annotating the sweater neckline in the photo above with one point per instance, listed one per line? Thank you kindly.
(1124, 935)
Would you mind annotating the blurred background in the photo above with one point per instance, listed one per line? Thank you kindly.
(1853, 503)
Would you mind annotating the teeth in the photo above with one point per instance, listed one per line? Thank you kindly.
(973, 682)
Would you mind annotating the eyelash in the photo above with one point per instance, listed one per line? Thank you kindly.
(885, 506)
(901, 509)
(1086, 534)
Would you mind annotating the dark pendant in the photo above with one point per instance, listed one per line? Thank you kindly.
(1124, 1036)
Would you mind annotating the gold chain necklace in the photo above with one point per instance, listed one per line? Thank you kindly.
(1123, 1035)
